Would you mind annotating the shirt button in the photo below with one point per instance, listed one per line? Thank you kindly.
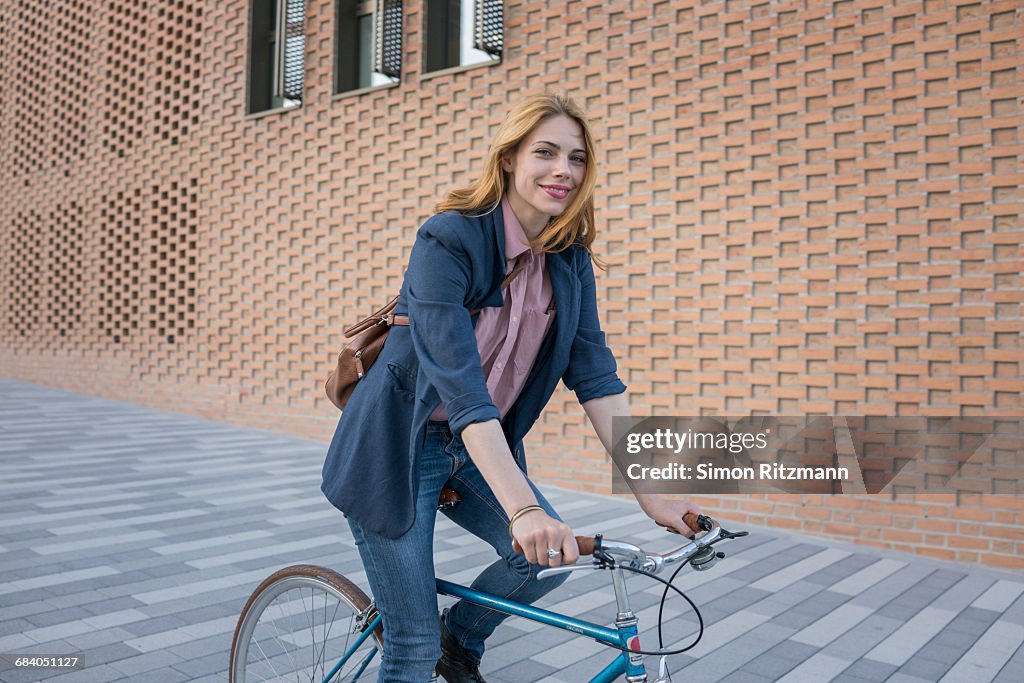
(499, 365)
(515, 319)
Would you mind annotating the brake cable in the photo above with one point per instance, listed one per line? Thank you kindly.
(606, 560)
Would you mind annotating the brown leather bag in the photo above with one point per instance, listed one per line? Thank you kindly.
(368, 337)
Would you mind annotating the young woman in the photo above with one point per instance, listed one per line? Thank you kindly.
(502, 305)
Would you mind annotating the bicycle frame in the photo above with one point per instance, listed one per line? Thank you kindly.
(624, 634)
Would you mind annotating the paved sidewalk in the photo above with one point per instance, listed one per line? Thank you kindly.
(134, 536)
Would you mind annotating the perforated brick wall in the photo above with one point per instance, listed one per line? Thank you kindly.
(807, 207)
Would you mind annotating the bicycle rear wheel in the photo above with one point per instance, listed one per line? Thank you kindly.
(298, 623)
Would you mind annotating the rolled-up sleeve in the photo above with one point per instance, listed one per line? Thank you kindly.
(436, 286)
(592, 369)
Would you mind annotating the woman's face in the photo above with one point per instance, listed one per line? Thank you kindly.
(545, 172)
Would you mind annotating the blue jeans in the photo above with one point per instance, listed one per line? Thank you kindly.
(401, 571)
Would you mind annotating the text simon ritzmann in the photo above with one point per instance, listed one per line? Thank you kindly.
(706, 471)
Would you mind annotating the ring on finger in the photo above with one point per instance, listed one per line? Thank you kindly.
(552, 552)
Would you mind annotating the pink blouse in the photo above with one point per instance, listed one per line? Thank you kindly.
(509, 337)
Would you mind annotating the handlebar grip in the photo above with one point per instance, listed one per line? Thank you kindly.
(586, 544)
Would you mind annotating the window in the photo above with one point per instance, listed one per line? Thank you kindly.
(461, 32)
(277, 41)
(368, 43)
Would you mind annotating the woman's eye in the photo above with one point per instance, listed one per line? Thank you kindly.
(544, 152)
(579, 160)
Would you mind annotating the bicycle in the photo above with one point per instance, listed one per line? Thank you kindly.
(281, 636)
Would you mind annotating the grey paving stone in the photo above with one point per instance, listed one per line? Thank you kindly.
(1013, 670)
(1015, 612)
(57, 616)
(869, 670)
(956, 638)
(807, 612)
(859, 640)
(927, 669)
(770, 565)
(793, 651)
(770, 665)
(218, 644)
(12, 626)
(158, 571)
(920, 595)
(171, 675)
(92, 640)
(739, 598)
(840, 570)
(15, 643)
(736, 654)
(215, 678)
(155, 625)
(899, 677)
(745, 677)
(525, 670)
(146, 663)
(202, 665)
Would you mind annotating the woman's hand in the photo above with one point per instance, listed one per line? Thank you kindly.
(668, 512)
(535, 532)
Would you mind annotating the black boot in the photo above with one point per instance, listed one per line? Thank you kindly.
(456, 664)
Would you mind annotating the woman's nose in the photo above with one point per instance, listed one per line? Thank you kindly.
(562, 167)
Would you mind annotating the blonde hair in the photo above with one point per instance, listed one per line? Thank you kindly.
(576, 224)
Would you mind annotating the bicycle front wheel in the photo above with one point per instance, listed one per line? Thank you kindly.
(298, 624)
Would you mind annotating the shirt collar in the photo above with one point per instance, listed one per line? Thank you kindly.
(516, 242)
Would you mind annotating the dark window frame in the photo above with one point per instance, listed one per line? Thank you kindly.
(443, 19)
(351, 69)
(276, 55)
(443, 31)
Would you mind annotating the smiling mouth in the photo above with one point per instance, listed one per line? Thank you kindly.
(556, 191)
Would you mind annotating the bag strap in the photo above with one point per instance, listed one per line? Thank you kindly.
(383, 315)
(386, 316)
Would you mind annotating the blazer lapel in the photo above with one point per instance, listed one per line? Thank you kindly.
(565, 288)
(492, 294)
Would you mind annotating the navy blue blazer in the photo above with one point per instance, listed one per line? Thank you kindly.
(457, 265)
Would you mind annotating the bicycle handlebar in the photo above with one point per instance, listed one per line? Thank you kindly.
(697, 523)
(697, 552)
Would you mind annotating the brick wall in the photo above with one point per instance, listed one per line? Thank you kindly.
(807, 207)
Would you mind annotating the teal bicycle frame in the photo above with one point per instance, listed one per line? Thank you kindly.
(624, 634)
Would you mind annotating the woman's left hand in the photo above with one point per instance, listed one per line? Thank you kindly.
(669, 512)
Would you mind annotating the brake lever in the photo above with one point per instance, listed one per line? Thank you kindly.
(565, 569)
(732, 534)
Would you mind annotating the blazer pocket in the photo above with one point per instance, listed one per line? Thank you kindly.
(402, 380)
